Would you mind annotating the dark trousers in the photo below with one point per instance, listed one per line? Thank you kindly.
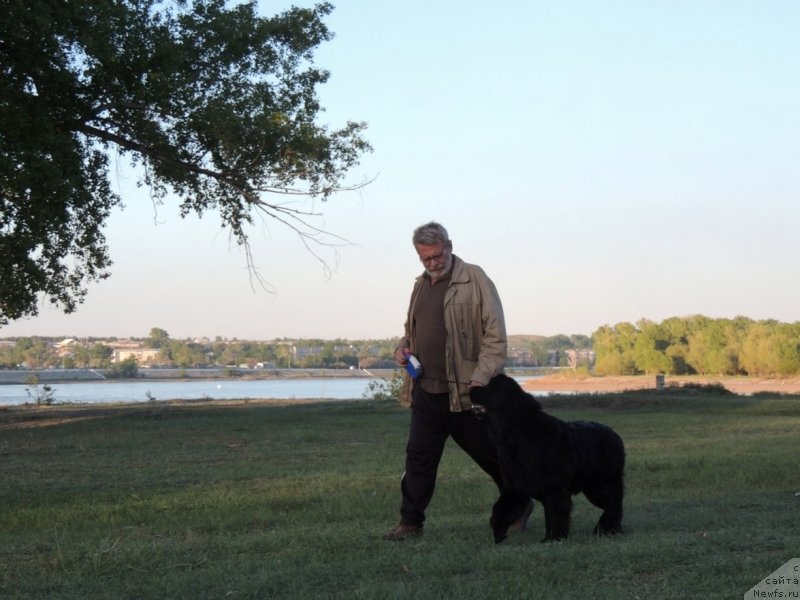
(432, 423)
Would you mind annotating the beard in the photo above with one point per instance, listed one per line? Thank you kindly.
(441, 269)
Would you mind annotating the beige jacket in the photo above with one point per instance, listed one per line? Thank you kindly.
(476, 333)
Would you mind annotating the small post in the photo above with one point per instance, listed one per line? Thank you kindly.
(659, 382)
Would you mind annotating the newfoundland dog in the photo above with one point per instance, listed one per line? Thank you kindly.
(550, 460)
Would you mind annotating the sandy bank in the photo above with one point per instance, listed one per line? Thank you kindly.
(738, 385)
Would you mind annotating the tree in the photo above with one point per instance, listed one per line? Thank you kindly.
(283, 355)
(649, 348)
(676, 331)
(126, 369)
(41, 394)
(615, 349)
(34, 352)
(714, 347)
(100, 355)
(771, 349)
(216, 106)
(186, 354)
(158, 338)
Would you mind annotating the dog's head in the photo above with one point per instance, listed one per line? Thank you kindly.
(500, 394)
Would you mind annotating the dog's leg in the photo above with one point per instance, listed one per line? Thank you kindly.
(610, 522)
(557, 510)
(611, 519)
(502, 515)
(608, 496)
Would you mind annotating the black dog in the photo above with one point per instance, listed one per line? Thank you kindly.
(550, 460)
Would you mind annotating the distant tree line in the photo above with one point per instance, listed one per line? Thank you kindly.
(699, 345)
(39, 352)
(675, 346)
(549, 351)
(42, 352)
(98, 353)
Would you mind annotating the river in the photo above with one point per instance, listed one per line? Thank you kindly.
(142, 391)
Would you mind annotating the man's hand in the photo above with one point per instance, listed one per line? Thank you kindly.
(401, 356)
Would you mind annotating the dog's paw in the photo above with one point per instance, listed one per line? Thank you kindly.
(498, 531)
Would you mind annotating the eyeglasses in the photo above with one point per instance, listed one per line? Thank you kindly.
(434, 258)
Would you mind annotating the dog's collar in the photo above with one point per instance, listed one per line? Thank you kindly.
(478, 409)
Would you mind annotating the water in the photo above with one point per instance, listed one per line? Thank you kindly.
(141, 391)
(344, 388)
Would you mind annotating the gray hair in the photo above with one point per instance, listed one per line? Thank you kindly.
(430, 234)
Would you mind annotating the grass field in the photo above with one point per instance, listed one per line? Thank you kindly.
(255, 501)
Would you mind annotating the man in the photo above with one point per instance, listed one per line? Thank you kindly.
(455, 327)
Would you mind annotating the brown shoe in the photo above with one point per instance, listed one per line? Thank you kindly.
(521, 524)
(403, 531)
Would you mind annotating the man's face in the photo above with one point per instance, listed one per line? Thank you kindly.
(436, 258)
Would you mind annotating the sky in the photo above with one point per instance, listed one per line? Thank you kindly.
(603, 162)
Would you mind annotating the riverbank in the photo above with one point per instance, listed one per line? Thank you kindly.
(549, 382)
(610, 384)
(32, 416)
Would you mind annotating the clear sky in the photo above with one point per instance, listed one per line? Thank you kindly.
(602, 161)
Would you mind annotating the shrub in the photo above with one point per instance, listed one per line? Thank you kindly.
(126, 369)
(384, 389)
(41, 394)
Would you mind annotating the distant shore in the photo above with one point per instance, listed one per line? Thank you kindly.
(22, 376)
(605, 384)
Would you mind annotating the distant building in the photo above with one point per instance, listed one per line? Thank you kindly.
(126, 344)
(143, 356)
(520, 357)
(585, 355)
(66, 348)
(304, 351)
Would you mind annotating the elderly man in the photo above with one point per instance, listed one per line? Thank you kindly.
(455, 328)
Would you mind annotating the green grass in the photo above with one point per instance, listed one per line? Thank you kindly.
(254, 501)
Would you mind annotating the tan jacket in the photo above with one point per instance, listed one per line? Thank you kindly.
(476, 333)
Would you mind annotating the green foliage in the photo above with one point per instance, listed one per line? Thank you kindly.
(31, 352)
(564, 342)
(384, 389)
(615, 349)
(38, 353)
(676, 346)
(126, 369)
(648, 349)
(38, 392)
(699, 345)
(715, 389)
(157, 339)
(215, 104)
(253, 501)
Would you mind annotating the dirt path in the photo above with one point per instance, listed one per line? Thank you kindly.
(738, 385)
(21, 417)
